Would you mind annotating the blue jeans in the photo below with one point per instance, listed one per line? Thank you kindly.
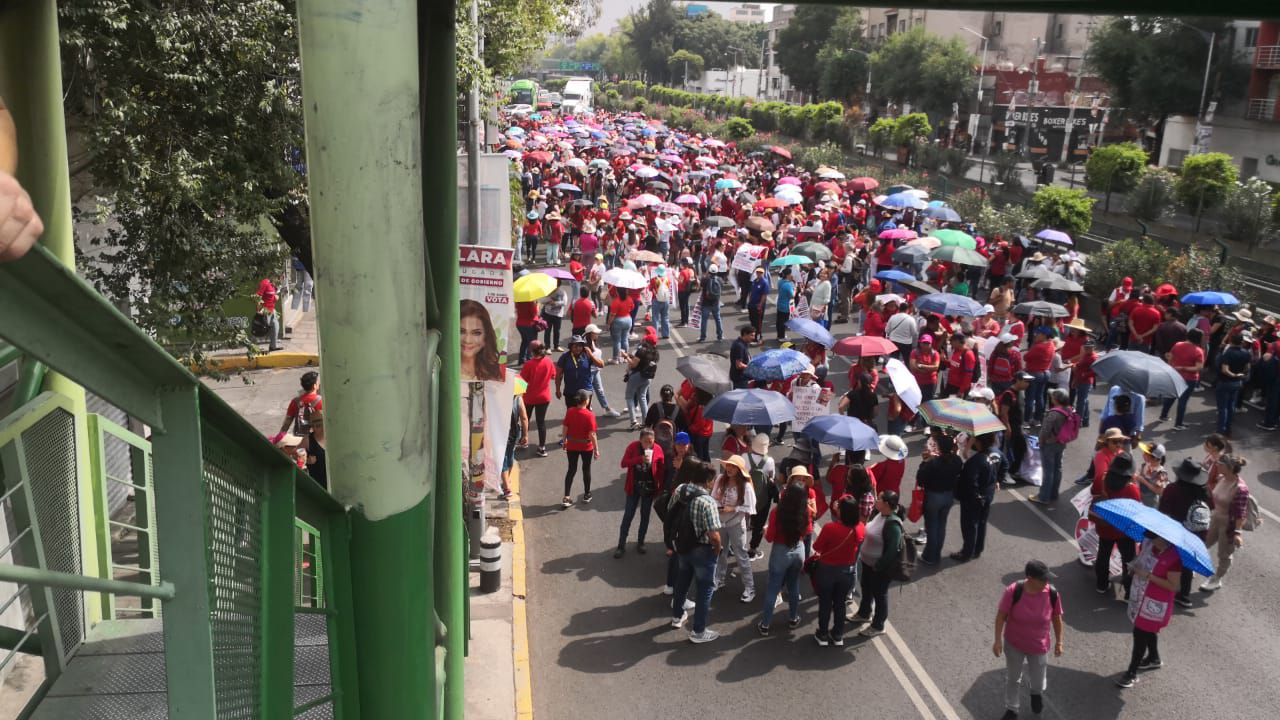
(1228, 393)
(662, 318)
(637, 396)
(1051, 461)
(1082, 402)
(553, 253)
(1033, 404)
(1182, 403)
(785, 564)
(598, 387)
(620, 330)
(834, 583)
(709, 313)
(634, 502)
(937, 506)
(699, 564)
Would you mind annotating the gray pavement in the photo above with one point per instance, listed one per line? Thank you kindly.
(601, 641)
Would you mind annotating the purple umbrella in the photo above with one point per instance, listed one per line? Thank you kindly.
(557, 273)
(1056, 236)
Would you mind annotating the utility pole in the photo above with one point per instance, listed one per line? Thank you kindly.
(760, 80)
(1071, 111)
(1033, 89)
(473, 139)
(736, 78)
(982, 69)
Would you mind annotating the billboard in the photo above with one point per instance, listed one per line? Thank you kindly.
(1043, 129)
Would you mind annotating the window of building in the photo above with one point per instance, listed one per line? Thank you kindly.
(902, 26)
(1057, 32)
(1176, 157)
(1251, 37)
(1248, 167)
(881, 28)
(997, 27)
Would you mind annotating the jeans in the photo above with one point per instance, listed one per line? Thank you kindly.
(897, 425)
(662, 318)
(733, 536)
(927, 393)
(780, 324)
(598, 387)
(553, 253)
(937, 506)
(574, 457)
(875, 592)
(1182, 403)
(302, 296)
(637, 396)
(709, 313)
(528, 334)
(1102, 566)
(698, 565)
(1036, 672)
(973, 525)
(785, 564)
(1082, 402)
(634, 502)
(1033, 403)
(834, 582)
(620, 330)
(1228, 392)
(682, 297)
(273, 331)
(551, 336)
(1051, 461)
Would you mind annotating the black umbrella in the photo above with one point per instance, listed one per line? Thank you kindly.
(706, 372)
(1040, 308)
(920, 287)
(1057, 282)
(720, 221)
(658, 185)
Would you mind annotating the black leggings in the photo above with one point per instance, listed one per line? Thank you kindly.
(574, 456)
(1145, 647)
(540, 417)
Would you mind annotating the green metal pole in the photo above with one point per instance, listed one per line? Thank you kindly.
(31, 83)
(440, 182)
(361, 93)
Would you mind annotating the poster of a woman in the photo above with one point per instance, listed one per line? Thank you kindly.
(485, 315)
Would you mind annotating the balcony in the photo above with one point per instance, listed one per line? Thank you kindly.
(1261, 109)
(1267, 57)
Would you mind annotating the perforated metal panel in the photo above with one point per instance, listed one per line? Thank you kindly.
(234, 531)
(50, 447)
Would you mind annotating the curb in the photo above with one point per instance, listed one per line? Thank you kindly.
(519, 609)
(280, 359)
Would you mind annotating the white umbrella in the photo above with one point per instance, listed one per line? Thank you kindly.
(904, 383)
(890, 297)
(576, 162)
(623, 278)
(647, 172)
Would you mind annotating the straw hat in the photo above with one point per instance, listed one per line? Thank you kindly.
(893, 447)
(1243, 315)
(289, 440)
(760, 443)
(1037, 257)
(1077, 324)
(1114, 434)
(799, 471)
(736, 461)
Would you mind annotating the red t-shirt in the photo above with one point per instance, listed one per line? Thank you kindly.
(1039, 357)
(1185, 354)
(267, 292)
(579, 423)
(999, 262)
(577, 270)
(1082, 373)
(526, 313)
(887, 474)
(1145, 318)
(960, 375)
(926, 377)
(538, 373)
(1001, 368)
(698, 424)
(1071, 346)
(874, 325)
(313, 399)
(583, 311)
(838, 545)
(1130, 491)
(621, 307)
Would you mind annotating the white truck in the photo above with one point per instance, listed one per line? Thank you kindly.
(577, 96)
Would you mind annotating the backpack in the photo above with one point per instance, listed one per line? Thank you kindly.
(1198, 515)
(756, 474)
(662, 293)
(1252, 514)
(1017, 595)
(302, 421)
(905, 565)
(685, 535)
(661, 504)
(1070, 429)
(711, 293)
(976, 373)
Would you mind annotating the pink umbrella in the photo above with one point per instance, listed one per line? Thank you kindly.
(705, 160)
(929, 242)
(667, 207)
(712, 142)
(643, 200)
(898, 234)
(789, 180)
(687, 199)
(671, 159)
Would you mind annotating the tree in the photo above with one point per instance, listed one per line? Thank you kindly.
(651, 34)
(711, 35)
(800, 42)
(842, 61)
(684, 65)
(515, 32)
(1205, 180)
(908, 129)
(880, 135)
(1115, 168)
(738, 129)
(1143, 260)
(1247, 212)
(1065, 209)
(924, 70)
(1154, 194)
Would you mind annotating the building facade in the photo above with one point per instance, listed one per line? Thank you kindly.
(777, 86)
(749, 13)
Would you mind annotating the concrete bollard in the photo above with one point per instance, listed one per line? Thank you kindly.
(490, 561)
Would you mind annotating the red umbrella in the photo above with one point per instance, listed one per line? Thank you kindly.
(540, 156)
(772, 202)
(780, 152)
(827, 186)
(862, 184)
(1166, 289)
(865, 346)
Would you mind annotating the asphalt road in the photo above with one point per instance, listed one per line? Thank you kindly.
(602, 645)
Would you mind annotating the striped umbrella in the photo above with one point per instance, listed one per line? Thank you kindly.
(777, 364)
(961, 415)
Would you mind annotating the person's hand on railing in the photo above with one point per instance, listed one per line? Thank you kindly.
(20, 226)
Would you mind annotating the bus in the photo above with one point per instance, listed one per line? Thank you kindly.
(524, 92)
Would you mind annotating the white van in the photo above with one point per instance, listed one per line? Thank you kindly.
(577, 96)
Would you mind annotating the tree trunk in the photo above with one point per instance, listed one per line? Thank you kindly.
(293, 223)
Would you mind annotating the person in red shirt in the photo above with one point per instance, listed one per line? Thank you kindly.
(555, 236)
(527, 326)
(875, 323)
(1187, 357)
(700, 426)
(924, 363)
(1116, 483)
(532, 233)
(887, 474)
(1143, 320)
(582, 312)
(1118, 313)
(646, 469)
(1082, 380)
(836, 549)
(578, 434)
(1038, 359)
(961, 366)
(538, 373)
(303, 417)
(267, 297)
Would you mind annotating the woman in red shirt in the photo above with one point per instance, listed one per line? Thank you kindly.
(887, 474)
(736, 442)
(875, 323)
(1116, 484)
(538, 373)
(1004, 364)
(700, 427)
(646, 469)
(578, 433)
(1038, 359)
(836, 550)
(924, 363)
(527, 325)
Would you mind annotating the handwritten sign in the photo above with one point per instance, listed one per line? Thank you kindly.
(808, 402)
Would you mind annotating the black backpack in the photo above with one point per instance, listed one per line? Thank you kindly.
(302, 421)
(1017, 595)
(684, 534)
(905, 566)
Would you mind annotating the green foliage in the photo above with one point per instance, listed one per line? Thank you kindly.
(515, 32)
(1065, 209)
(958, 162)
(1153, 196)
(929, 156)
(969, 203)
(880, 136)
(640, 105)
(1115, 168)
(924, 70)
(1206, 178)
(1194, 270)
(1004, 167)
(657, 30)
(1247, 212)
(738, 129)
(1014, 219)
(800, 42)
(189, 145)
(842, 62)
(1145, 260)
(909, 127)
(682, 61)
(811, 157)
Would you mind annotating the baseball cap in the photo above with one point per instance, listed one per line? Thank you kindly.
(1008, 338)
(592, 328)
(1037, 570)
(682, 438)
(577, 340)
(1023, 376)
(926, 338)
(1155, 450)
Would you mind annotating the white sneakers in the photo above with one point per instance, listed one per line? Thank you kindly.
(1213, 583)
(679, 622)
(748, 596)
(705, 636)
(668, 590)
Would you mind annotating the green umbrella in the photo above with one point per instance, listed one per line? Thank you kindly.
(817, 251)
(959, 255)
(955, 238)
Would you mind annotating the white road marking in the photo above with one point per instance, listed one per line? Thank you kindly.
(903, 680)
(677, 342)
(1043, 517)
(1274, 518)
(930, 687)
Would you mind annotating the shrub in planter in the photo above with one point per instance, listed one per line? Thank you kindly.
(811, 157)
(1195, 270)
(1208, 178)
(1144, 260)
(880, 135)
(1004, 169)
(1154, 194)
(738, 129)
(958, 162)
(1065, 209)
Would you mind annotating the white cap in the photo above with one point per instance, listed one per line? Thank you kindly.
(987, 309)
(713, 268)
(1008, 338)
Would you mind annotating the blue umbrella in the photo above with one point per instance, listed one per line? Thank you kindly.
(949, 304)
(938, 203)
(842, 431)
(515, 131)
(566, 186)
(1210, 297)
(727, 183)
(812, 330)
(899, 201)
(1134, 519)
(777, 364)
(942, 214)
(1056, 236)
(786, 260)
(751, 407)
(894, 275)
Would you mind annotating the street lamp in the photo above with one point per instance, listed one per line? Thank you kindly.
(736, 74)
(1201, 113)
(866, 93)
(982, 69)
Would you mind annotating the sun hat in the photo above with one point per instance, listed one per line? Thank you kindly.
(682, 438)
(1037, 570)
(809, 370)
(1155, 450)
(760, 443)
(799, 471)
(1077, 324)
(1243, 315)
(1114, 434)
(892, 447)
(577, 340)
(532, 215)
(736, 461)
(1008, 338)
(983, 393)
(288, 440)
(592, 328)
(1037, 257)
(599, 256)
(1189, 471)
(661, 271)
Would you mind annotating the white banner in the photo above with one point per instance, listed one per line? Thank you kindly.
(747, 258)
(808, 402)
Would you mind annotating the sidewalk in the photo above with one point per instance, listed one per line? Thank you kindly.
(300, 346)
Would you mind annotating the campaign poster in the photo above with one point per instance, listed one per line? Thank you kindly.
(807, 400)
(748, 257)
(488, 385)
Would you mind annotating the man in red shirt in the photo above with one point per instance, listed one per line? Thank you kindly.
(1143, 321)
(582, 312)
(267, 297)
(303, 418)
(1187, 357)
(1037, 360)
(960, 367)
